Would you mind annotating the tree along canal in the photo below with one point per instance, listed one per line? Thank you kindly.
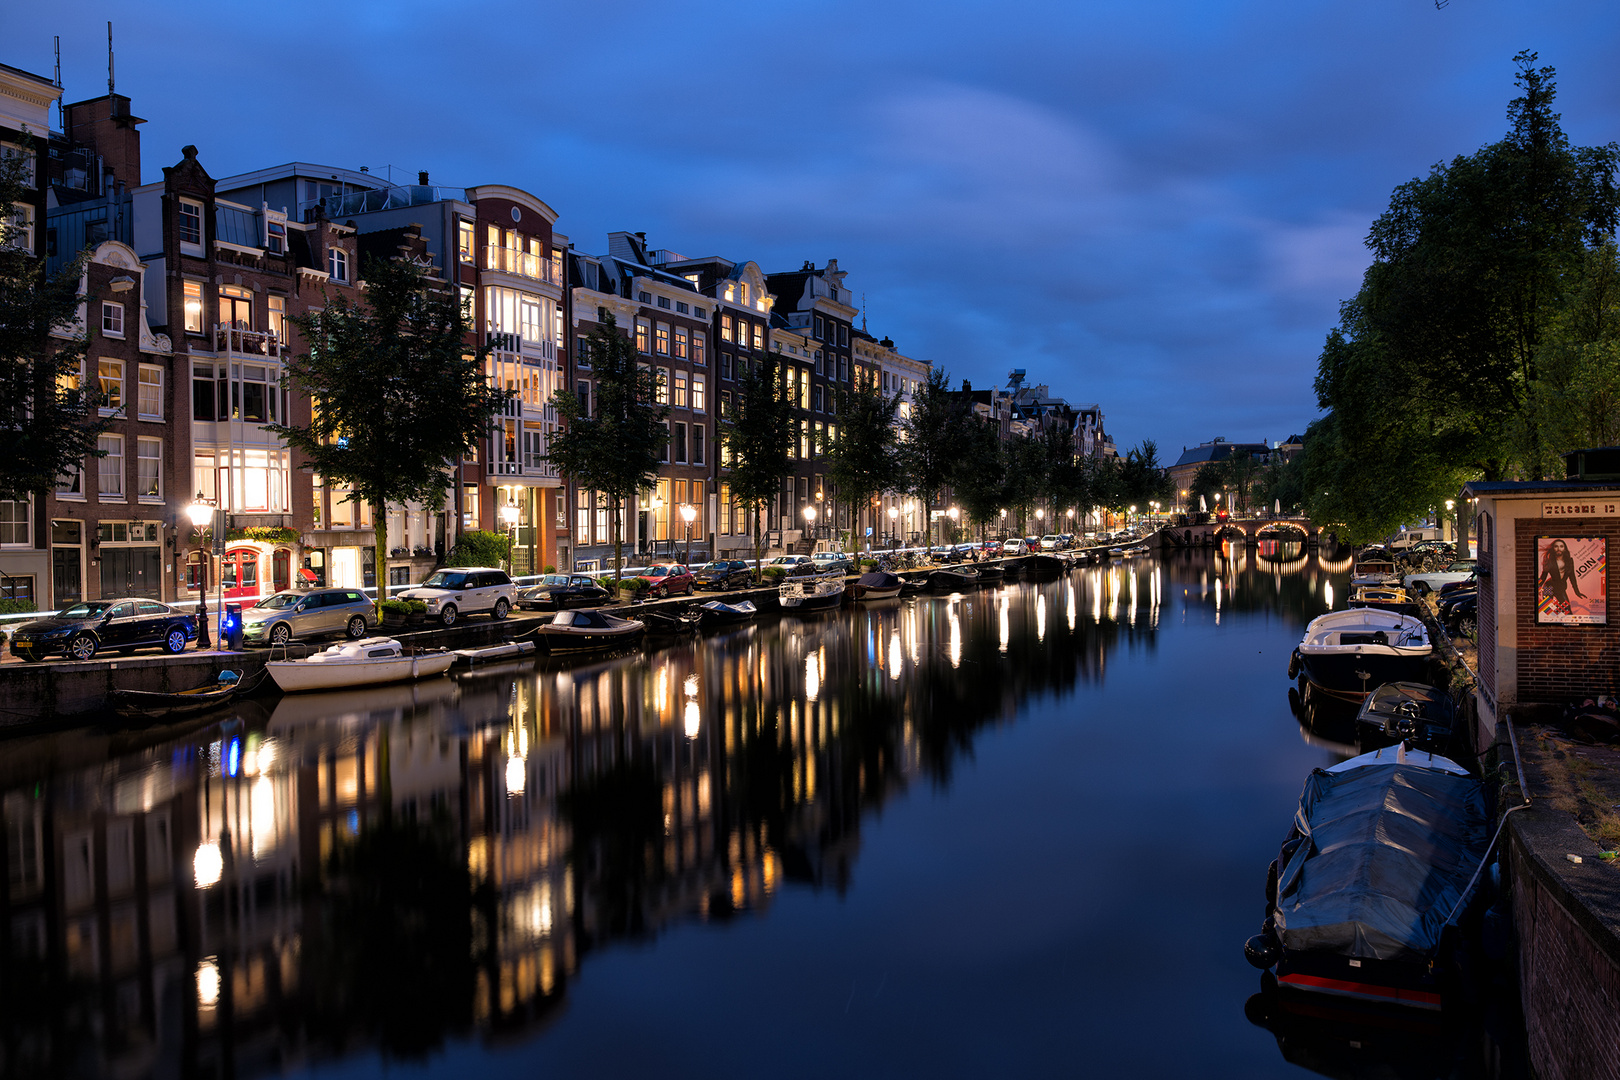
(1018, 831)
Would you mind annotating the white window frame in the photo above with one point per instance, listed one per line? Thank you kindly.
(110, 469)
(10, 523)
(190, 247)
(149, 450)
(103, 380)
(192, 320)
(112, 319)
(149, 375)
(337, 264)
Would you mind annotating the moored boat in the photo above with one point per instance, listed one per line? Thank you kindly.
(154, 705)
(715, 614)
(877, 585)
(953, 578)
(991, 573)
(1045, 562)
(507, 650)
(587, 630)
(811, 592)
(358, 663)
(1384, 598)
(1381, 861)
(668, 622)
(1348, 653)
(1415, 713)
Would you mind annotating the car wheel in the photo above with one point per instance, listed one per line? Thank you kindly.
(689, 589)
(501, 608)
(83, 647)
(1421, 588)
(280, 634)
(176, 641)
(356, 628)
(447, 615)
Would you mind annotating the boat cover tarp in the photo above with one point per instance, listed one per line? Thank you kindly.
(879, 579)
(1385, 852)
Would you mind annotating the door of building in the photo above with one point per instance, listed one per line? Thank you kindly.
(130, 571)
(240, 569)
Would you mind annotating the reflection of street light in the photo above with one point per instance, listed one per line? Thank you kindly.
(201, 512)
(688, 515)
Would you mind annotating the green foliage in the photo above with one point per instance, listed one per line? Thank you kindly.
(613, 444)
(49, 419)
(631, 584)
(399, 608)
(15, 607)
(398, 393)
(757, 437)
(416, 607)
(481, 547)
(981, 480)
(270, 534)
(863, 461)
(773, 575)
(548, 569)
(937, 439)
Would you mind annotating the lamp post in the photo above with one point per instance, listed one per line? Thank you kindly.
(509, 515)
(653, 507)
(894, 516)
(953, 513)
(1003, 523)
(1132, 519)
(688, 515)
(810, 520)
(1451, 505)
(200, 511)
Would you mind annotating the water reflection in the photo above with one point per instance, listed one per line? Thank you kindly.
(391, 869)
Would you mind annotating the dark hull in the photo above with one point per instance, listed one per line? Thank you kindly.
(1340, 673)
(145, 705)
(561, 642)
(1047, 564)
(862, 592)
(712, 619)
(945, 580)
(1371, 982)
(816, 603)
(990, 575)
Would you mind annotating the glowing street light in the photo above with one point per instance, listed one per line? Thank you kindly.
(688, 515)
(201, 512)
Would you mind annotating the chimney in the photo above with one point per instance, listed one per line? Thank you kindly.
(421, 179)
(106, 126)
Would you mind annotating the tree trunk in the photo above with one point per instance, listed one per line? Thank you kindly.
(618, 536)
(379, 558)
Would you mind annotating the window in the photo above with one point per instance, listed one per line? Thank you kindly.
(71, 484)
(683, 340)
(668, 438)
(680, 390)
(700, 313)
(236, 307)
(843, 335)
(275, 235)
(663, 302)
(697, 393)
(18, 588)
(725, 328)
(821, 329)
(11, 152)
(149, 403)
(643, 298)
(662, 394)
(278, 317)
(257, 404)
(725, 365)
(663, 339)
(584, 394)
(725, 403)
(815, 398)
(337, 263)
(112, 319)
(742, 333)
(469, 506)
(148, 470)
(699, 341)
(14, 523)
(110, 467)
(582, 351)
(679, 442)
(697, 444)
(759, 335)
(466, 241)
(643, 336)
(193, 306)
(190, 224)
(111, 374)
(681, 308)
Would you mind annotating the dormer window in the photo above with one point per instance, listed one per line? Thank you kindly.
(337, 264)
(275, 235)
(189, 226)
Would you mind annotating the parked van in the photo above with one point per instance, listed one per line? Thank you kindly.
(1409, 537)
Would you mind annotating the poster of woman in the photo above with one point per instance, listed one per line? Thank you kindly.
(1572, 581)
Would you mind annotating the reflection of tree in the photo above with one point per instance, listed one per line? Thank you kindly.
(390, 948)
(617, 822)
(47, 1020)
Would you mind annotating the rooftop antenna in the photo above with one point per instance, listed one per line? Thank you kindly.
(61, 117)
(109, 59)
(863, 312)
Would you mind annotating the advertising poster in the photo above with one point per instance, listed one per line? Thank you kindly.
(1571, 581)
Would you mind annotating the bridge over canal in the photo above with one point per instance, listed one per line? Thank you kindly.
(1250, 531)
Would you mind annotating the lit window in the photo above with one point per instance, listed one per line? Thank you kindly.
(148, 470)
(149, 404)
(663, 339)
(683, 339)
(697, 393)
(112, 319)
(111, 375)
(194, 307)
(680, 390)
(278, 317)
(662, 396)
(759, 335)
(699, 348)
(275, 235)
(725, 328)
(466, 241)
(643, 335)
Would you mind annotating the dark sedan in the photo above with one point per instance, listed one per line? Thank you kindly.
(557, 591)
(84, 629)
(723, 574)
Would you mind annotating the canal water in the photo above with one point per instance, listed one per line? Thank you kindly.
(1021, 831)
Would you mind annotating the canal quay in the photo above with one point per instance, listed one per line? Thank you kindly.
(1016, 831)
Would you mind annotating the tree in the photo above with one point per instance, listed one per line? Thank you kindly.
(48, 415)
(613, 444)
(398, 394)
(937, 435)
(863, 460)
(981, 481)
(757, 438)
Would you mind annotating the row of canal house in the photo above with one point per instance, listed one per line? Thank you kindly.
(192, 287)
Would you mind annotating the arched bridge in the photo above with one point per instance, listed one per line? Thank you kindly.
(1249, 531)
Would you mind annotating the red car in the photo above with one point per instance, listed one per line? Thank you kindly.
(666, 579)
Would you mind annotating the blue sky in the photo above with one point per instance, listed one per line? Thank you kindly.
(1157, 206)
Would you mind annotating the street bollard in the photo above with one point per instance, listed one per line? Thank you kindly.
(230, 629)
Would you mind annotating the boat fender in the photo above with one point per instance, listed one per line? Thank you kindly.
(1293, 665)
(1262, 950)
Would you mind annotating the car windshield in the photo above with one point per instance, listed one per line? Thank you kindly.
(445, 579)
(554, 579)
(656, 571)
(635, 571)
(279, 601)
(86, 610)
(718, 566)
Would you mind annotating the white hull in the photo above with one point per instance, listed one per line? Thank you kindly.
(367, 662)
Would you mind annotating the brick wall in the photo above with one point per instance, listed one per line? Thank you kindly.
(1561, 663)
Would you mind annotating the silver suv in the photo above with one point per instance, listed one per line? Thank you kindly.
(464, 590)
(279, 618)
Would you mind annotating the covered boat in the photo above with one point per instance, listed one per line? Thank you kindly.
(359, 663)
(154, 705)
(1048, 562)
(1416, 713)
(1381, 860)
(953, 578)
(812, 592)
(1348, 653)
(587, 630)
(877, 585)
(715, 614)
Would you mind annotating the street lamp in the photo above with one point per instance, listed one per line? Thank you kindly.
(688, 515)
(201, 512)
(894, 515)
(1451, 505)
(810, 520)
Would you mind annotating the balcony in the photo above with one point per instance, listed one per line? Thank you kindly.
(238, 341)
(521, 263)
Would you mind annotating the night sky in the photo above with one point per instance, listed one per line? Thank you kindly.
(1153, 206)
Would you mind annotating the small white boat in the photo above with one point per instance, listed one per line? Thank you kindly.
(507, 650)
(1348, 654)
(358, 663)
(812, 592)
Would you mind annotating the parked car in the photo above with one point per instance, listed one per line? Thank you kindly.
(666, 579)
(1052, 542)
(788, 562)
(557, 591)
(81, 630)
(1423, 584)
(828, 561)
(288, 614)
(455, 591)
(723, 574)
(1014, 546)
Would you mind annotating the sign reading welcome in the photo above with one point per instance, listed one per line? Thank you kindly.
(1581, 508)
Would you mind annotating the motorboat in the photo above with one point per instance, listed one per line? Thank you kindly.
(911, 586)
(716, 614)
(811, 592)
(1347, 653)
(1416, 713)
(991, 573)
(1048, 562)
(359, 663)
(1384, 598)
(154, 705)
(668, 622)
(507, 650)
(1381, 860)
(877, 585)
(953, 578)
(1374, 567)
(587, 630)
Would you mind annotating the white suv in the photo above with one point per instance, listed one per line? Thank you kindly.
(464, 590)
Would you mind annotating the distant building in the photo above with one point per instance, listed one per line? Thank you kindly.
(1217, 450)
